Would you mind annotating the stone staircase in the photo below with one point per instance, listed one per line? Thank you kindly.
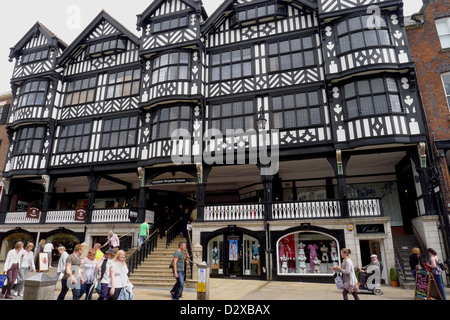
(155, 271)
(405, 243)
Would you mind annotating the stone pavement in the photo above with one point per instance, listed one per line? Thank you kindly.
(238, 289)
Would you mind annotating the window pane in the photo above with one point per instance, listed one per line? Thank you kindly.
(366, 106)
(289, 119)
(313, 98)
(344, 43)
(377, 85)
(380, 104)
(302, 117)
(315, 116)
(297, 60)
(363, 87)
(352, 108)
(277, 103)
(355, 24)
(391, 84)
(237, 70)
(226, 72)
(357, 40)
(285, 61)
(371, 37)
(395, 103)
(288, 102)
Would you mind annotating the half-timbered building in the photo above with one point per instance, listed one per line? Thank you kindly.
(292, 127)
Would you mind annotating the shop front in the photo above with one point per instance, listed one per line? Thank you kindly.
(306, 252)
(235, 253)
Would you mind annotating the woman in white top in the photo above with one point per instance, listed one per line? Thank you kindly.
(104, 266)
(348, 275)
(12, 265)
(88, 266)
(119, 275)
(26, 264)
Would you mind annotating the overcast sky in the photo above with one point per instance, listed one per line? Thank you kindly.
(68, 18)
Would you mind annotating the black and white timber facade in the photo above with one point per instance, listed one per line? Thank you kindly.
(91, 122)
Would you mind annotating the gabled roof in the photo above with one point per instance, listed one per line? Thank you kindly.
(81, 39)
(222, 13)
(194, 4)
(37, 29)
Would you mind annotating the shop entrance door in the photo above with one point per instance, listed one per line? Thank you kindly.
(234, 256)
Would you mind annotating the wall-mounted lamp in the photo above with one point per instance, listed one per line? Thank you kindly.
(340, 167)
(422, 154)
(261, 122)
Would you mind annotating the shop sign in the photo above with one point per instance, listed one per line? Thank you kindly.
(171, 181)
(370, 228)
(33, 213)
(80, 215)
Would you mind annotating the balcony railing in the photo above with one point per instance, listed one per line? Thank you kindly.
(319, 209)
(113, 215)
(234, 212)
(306, 210)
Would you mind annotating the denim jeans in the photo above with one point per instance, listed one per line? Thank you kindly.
(85, 288)
(64, 289)
(440, 285)
(141, 240)
(179, 285)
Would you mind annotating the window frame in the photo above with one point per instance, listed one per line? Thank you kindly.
(121, 85)
(363, 30)
(218, 68)
(26, 90)
(160, 22)
(242, 16)
(111, 131)
(66, 137)
(27, 56)
(232, 115)
(30, 142)
(296, 108)
(443, 34)
(296, 47)
(157, 121)
(90, 91)
(359, 96)
(95, 52)
(446, 92)
(158, 67)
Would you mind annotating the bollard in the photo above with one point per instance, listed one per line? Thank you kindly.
(203, 281)
(40, 287)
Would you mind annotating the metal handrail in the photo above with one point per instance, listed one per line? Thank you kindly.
(146, 249)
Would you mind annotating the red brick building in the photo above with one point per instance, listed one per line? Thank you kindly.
(429, 38)
(5, 102)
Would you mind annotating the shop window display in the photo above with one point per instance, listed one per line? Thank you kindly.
(215, 254)
(307, 253)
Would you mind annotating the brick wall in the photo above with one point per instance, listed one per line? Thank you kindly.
(7, 99)
(431, 62)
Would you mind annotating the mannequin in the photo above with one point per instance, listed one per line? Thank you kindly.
(324, 251)
(312, 247)
(255, 251)
(215, 255)
(316, 265)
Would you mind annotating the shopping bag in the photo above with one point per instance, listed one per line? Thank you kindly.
(3, 279)
(338, 281)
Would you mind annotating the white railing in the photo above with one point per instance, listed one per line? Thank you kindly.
(20, 218)
(364, 207)
(61, 216)
(234, 212)
(306, 210)
(111, 215)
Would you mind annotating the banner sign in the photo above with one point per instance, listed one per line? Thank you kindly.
(171, 181)
(80, 215)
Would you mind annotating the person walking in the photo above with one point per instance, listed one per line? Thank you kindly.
(144, 233)
(348, 277)
(113, 241)
(12, 265)
(105, 280)
(48, 248)
(433, 264)
(26, 264)
(72, 274)
(61, 262)
(179, 273)
(88, 266)
(98, 252)
(119, 275)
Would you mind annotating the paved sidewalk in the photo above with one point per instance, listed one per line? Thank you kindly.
(238, 289)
